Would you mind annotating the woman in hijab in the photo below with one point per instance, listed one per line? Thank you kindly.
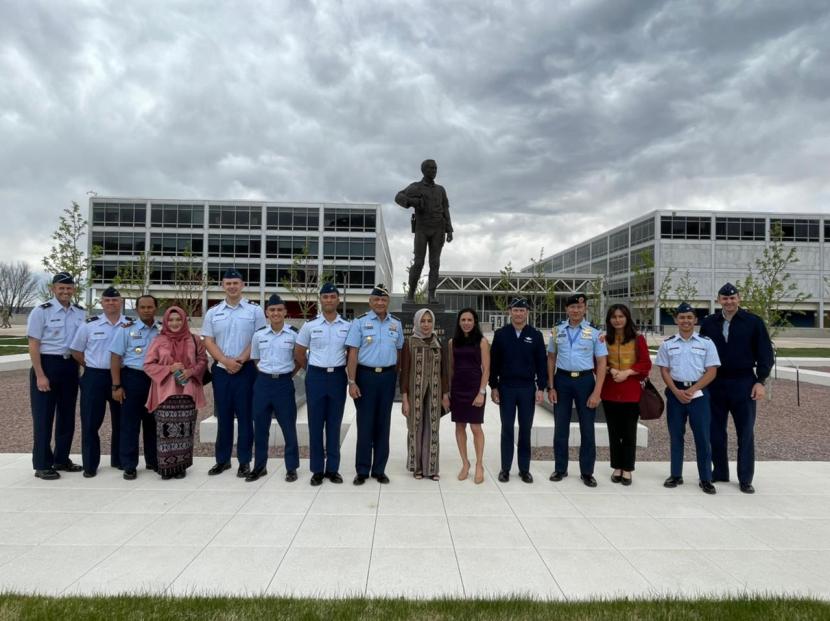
(424, 394)
(175, 362)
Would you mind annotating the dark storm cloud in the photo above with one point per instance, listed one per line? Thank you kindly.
(549, 121)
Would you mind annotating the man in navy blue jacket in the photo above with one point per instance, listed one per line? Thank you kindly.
(518, 378)
(746, 356)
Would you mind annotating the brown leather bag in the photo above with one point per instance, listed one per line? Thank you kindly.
(651, 403)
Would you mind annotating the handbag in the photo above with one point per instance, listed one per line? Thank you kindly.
(651, 403)
(207, 378)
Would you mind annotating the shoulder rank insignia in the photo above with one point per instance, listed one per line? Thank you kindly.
(293, 328)
(46, 305)
(93, 318)
(78, 306)
(262, 328)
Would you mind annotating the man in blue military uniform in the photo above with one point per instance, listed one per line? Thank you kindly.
(273, 349)
(518, 380)
(321, 348)
(574, 351)
(375, 340)
(688, 363)
(746, 356)
(228, 329)
(53, 380)
(91, 349)
(130, 385)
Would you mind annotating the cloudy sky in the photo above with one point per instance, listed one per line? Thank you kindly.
(550, 121)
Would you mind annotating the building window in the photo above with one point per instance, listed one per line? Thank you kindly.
(344, 219)
(235, 216)
(250, 273)
(278, 275)
(568, 260)
(744, 229)
(642, 232)
(177, 216)
(827, 230)
(234, 246)
(618, 241)
(355, 278)
(118, 243)
(583, 253)
(285, 247)
(557, 264)
(617, 290)
(293, 218)
(642, 258)
(357, 248)
(685, 227)
(598, 267)
(599, 247)
(618, 265)
(119, 214)
(176, 244)
(795, 230)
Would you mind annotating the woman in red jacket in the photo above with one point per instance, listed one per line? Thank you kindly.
(628, 364)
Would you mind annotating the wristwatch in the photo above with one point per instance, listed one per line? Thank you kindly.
(352, 382)
(116, 386)
(483, 391)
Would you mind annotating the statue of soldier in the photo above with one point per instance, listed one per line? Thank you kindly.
(431, 224)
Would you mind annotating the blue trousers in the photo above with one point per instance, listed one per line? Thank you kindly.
(96, 393)
(698, 414)
(56, 407)
(134, 418)
(570, 392)
(325, 398)
(733, 395)
(374, 415)
(232, 395)
(275, 397)
(516, 400)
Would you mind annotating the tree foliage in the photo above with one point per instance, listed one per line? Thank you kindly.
(19, 287)
(67, 253)
(303, 281)
(542, 297)
(686, 289)
(596, 300)
(645, 297)
(505, 284)
(189, 283)
(133, 279)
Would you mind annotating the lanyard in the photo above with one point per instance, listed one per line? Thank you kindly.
(576, 334)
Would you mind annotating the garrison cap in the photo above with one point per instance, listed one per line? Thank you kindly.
(684, 307)
(111, 292)
(576, 298)
(519, 303)
(63, 278)
(232, 272)
(273, 300)
(329, 287)
(728, 289)
(380, 291)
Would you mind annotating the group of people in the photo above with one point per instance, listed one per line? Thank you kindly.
(152, 378)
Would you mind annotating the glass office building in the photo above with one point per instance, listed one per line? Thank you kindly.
(343, 242)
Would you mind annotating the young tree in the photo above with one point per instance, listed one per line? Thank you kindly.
(18, 286)
(768, 290)
(505, 284)
(133, 279)
(303, 281)
(189, 283)
(543, 295)
(67, 253)
(686, 289)
(645, 298)
(596, 300)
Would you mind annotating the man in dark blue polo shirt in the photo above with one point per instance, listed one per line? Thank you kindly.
(746, 356)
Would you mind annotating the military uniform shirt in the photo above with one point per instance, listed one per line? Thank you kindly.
(131, 342)
(687, 359)
(576, 348)
(232, 327)
(325, 341)
(378, 341)
(54, 326)
(274, 350)
(94, 339)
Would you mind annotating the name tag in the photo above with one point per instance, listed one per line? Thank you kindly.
(528, 339)
(220, 316)
(288, 344)
(98, 336)
(587, 336)
(343, 332)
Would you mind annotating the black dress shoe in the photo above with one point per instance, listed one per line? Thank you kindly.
(69, 466)
(381, 478)
(130, 475)
(47, 475)
(625, 481)
(180, 475)
(166, 477)
(526, 477)
(243, 471)
(558, 476)
(504, 476)
(715, 480)
(588, 480)
(707, 487)
(219, 468)
(747, 488)
(88, 474)
(334, 477)
(673, 482)
(153, 467)
(616, 478)
(255, 474)
(317, 479)
(360, 479)
(290, 476)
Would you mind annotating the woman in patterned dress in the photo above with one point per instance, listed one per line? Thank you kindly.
(175, 362)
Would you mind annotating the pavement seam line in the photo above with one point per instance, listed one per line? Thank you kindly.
(372, 545)
(452, 540)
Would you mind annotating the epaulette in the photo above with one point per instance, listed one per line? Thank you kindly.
(294, 328)
(93, 318)
(78, 306)
(363, 315)
(262, 328)
(128, 323)
(393, 317)
(703, 336)
(46, 305)
(254, 302)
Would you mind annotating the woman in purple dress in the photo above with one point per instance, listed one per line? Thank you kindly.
(469, 366)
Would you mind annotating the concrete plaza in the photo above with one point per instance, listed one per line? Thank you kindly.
(220, 535)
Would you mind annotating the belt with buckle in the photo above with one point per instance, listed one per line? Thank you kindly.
(684, 384)
(61, 356)
(376, 369)
(574, 373)
(275, 375)
(326, 369)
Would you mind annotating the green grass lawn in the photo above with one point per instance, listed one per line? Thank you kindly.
(8, 350)
(803, 352)
(160, 607)
(13, 340)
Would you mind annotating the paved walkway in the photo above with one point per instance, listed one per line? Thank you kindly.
(415, 538)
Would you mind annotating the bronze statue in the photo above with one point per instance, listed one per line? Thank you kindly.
(431, 224)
